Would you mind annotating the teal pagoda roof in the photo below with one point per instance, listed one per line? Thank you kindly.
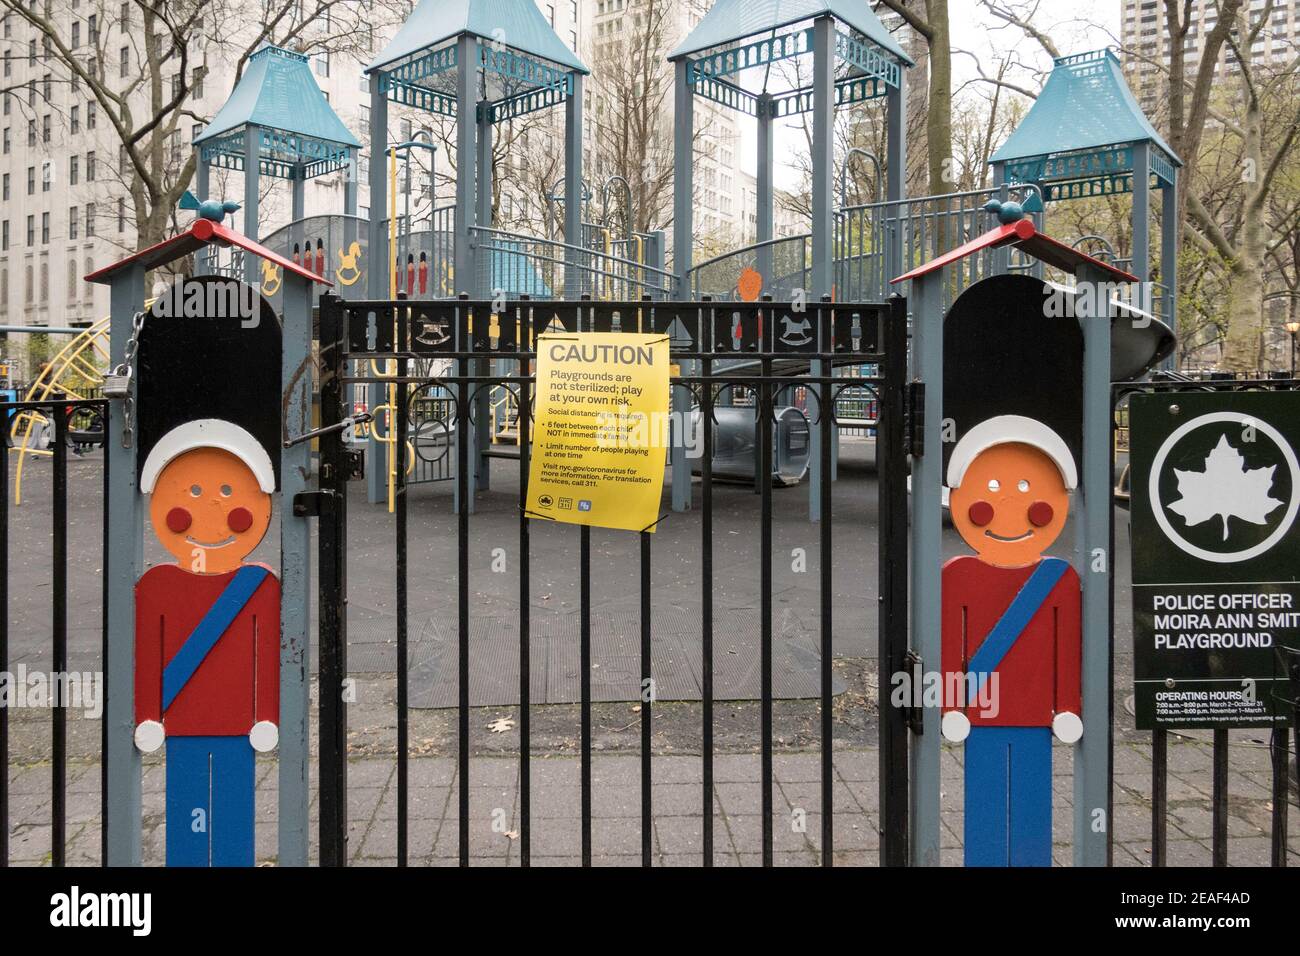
(730, 21)
(1082, 126)
(518, 24)
(296, 125)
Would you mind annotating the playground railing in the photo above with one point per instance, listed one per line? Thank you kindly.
(784, 264)
(518, 264)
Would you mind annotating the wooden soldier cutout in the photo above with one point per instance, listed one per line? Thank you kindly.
(207, 680)
(1011, 642)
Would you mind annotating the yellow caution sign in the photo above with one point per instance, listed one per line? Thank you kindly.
(601, 431)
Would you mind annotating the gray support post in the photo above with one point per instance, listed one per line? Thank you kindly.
(766, 193)
(466, 167)
(1001, 255)
(252, 175)
(378, 281)
(124, 563)
(576, 280)
(1169, 256)
(683, 177)
(466, 279)
(927, 592)
(350, 184)
(202, 184)
(485, 288)
(895, 176)
(295, 574)
(1142, 214)
(1092, 806)
(823, 165)
(299, 189)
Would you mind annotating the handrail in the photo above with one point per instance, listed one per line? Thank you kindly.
(519, 237)
(758, 245)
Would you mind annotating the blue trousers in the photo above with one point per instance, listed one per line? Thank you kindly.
(209, 801)
(1009, 796)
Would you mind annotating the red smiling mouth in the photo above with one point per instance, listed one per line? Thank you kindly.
(1006, 540)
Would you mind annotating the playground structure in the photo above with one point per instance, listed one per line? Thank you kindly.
(1084, 136)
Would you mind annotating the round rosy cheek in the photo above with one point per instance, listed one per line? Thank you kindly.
(178, 519)
(241, 519)
(1041, 514)
(980, 513)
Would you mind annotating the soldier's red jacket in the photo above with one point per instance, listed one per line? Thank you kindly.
(1039, 676)
(238, 682)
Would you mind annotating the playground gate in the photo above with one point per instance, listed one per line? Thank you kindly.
(717, 347)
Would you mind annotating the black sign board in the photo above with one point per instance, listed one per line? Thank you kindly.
(1216, 556)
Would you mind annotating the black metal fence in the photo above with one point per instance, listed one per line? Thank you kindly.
(1280, 752)
(717, 347)
(72, 422)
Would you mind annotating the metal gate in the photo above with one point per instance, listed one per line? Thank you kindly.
(716, 347)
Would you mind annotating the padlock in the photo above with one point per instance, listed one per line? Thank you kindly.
(117, 385)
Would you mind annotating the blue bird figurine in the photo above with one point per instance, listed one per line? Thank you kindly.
(213, 209)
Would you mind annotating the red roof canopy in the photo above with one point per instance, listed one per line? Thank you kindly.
(1022, 235)
(202, 232)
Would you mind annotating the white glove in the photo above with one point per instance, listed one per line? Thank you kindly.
(955, 726)
(1067, 727)
(149, 736)
(264, 736)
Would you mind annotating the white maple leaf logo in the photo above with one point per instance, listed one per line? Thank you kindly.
(1226, 488)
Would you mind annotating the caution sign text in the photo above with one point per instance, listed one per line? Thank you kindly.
(601, 430)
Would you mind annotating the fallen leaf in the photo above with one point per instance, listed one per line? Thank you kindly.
(501, 725)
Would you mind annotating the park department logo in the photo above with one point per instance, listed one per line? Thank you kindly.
(1223, 487)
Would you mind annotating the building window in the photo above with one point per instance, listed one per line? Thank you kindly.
(196, 82)
(31, 133)
(76, 35)
(176, 86)
(6, 141)
(29, 286)
(4, 236)
(74, 215)
(90, 220)
(45, 129)
(8, 63)
(31, 180)
(121, 215)
(90, 114)
(31, 230)
(125, 64)
(72, 278)
(47, 174)
(47, 87)
(90, 166)
(92, 28)
(45, 228)
(74, 119)
(31, 52)
(124, 18)
(74, 165)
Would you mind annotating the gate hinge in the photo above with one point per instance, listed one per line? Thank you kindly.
(915, 419)
(914, 716)
(310, 504)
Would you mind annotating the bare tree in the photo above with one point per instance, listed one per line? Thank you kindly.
(157, 54)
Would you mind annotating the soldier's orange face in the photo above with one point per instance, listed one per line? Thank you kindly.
(208, 510)
(1011, 505)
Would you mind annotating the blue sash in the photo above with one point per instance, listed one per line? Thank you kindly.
(1015, 618)
(205, 635)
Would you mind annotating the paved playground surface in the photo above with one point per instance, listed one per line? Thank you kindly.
(555, 745)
